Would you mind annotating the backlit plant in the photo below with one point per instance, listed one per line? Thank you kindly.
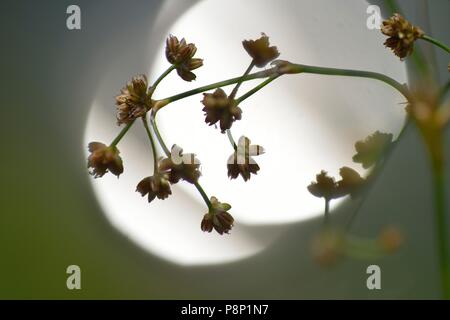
(424, 107)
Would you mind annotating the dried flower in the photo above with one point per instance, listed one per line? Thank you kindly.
(155, 186)
(260, 50)
(181, 54)
(327, 247)
(180, 166)
(402, 35)
(241, 161)
(351, 183)
(134, 100)
(324, 187)
(370, 150)
(104, 158)
(220, 108)
(390, 239)
(217, 218)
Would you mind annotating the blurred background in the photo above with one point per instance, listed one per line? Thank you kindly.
(51, 216)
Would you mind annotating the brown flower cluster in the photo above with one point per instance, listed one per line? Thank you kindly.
(218, 217)
(241, 162)
(134, 100)
(103, 159)
(402, 35)
(181, 55)
(218, 107)
(260, 50)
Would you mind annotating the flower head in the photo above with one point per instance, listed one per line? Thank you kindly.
(217, 218)
(260, 50)
(324, 187)
(134, 100)
(328, 247)
(219, 108)
(402, 35)
(103, 159)
(155, 186)
(241, 161)
(351, 183)
(180, 166)
(370, 150)
(181, 54)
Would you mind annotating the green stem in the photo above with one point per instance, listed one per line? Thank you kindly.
(121, 134)
(238, 84)
(294, 69)
(436, 43)
(256, 89)
(326, 219)
(152, 142)
(204, 195)
(158, 135)
(230, 137)
(162, 76)
(441, 225)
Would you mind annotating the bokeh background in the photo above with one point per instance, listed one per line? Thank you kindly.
(50, 218)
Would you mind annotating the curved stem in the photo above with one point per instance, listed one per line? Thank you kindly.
(230, 137)
(158, 135)
(121, 134)
(436, 43)
(152, 142)
(204, 195)
(162, 76)
(292, 68)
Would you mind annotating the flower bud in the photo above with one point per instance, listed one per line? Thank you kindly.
(103, 159)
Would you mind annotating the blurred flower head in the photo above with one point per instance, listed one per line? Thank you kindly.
(103, 159)
(260, 50)
(241, 162)
(219, 108)
(134, 100)
(390, 239)
(351, 182)
(181, 55)
(402, 35)
(328, 247)
(217, 218)
(370, 150)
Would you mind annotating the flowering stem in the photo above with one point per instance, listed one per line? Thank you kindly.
(167, 152)
(121, 134)
(162, 76)
(256, 89)
(152, 142)
(436, 43)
